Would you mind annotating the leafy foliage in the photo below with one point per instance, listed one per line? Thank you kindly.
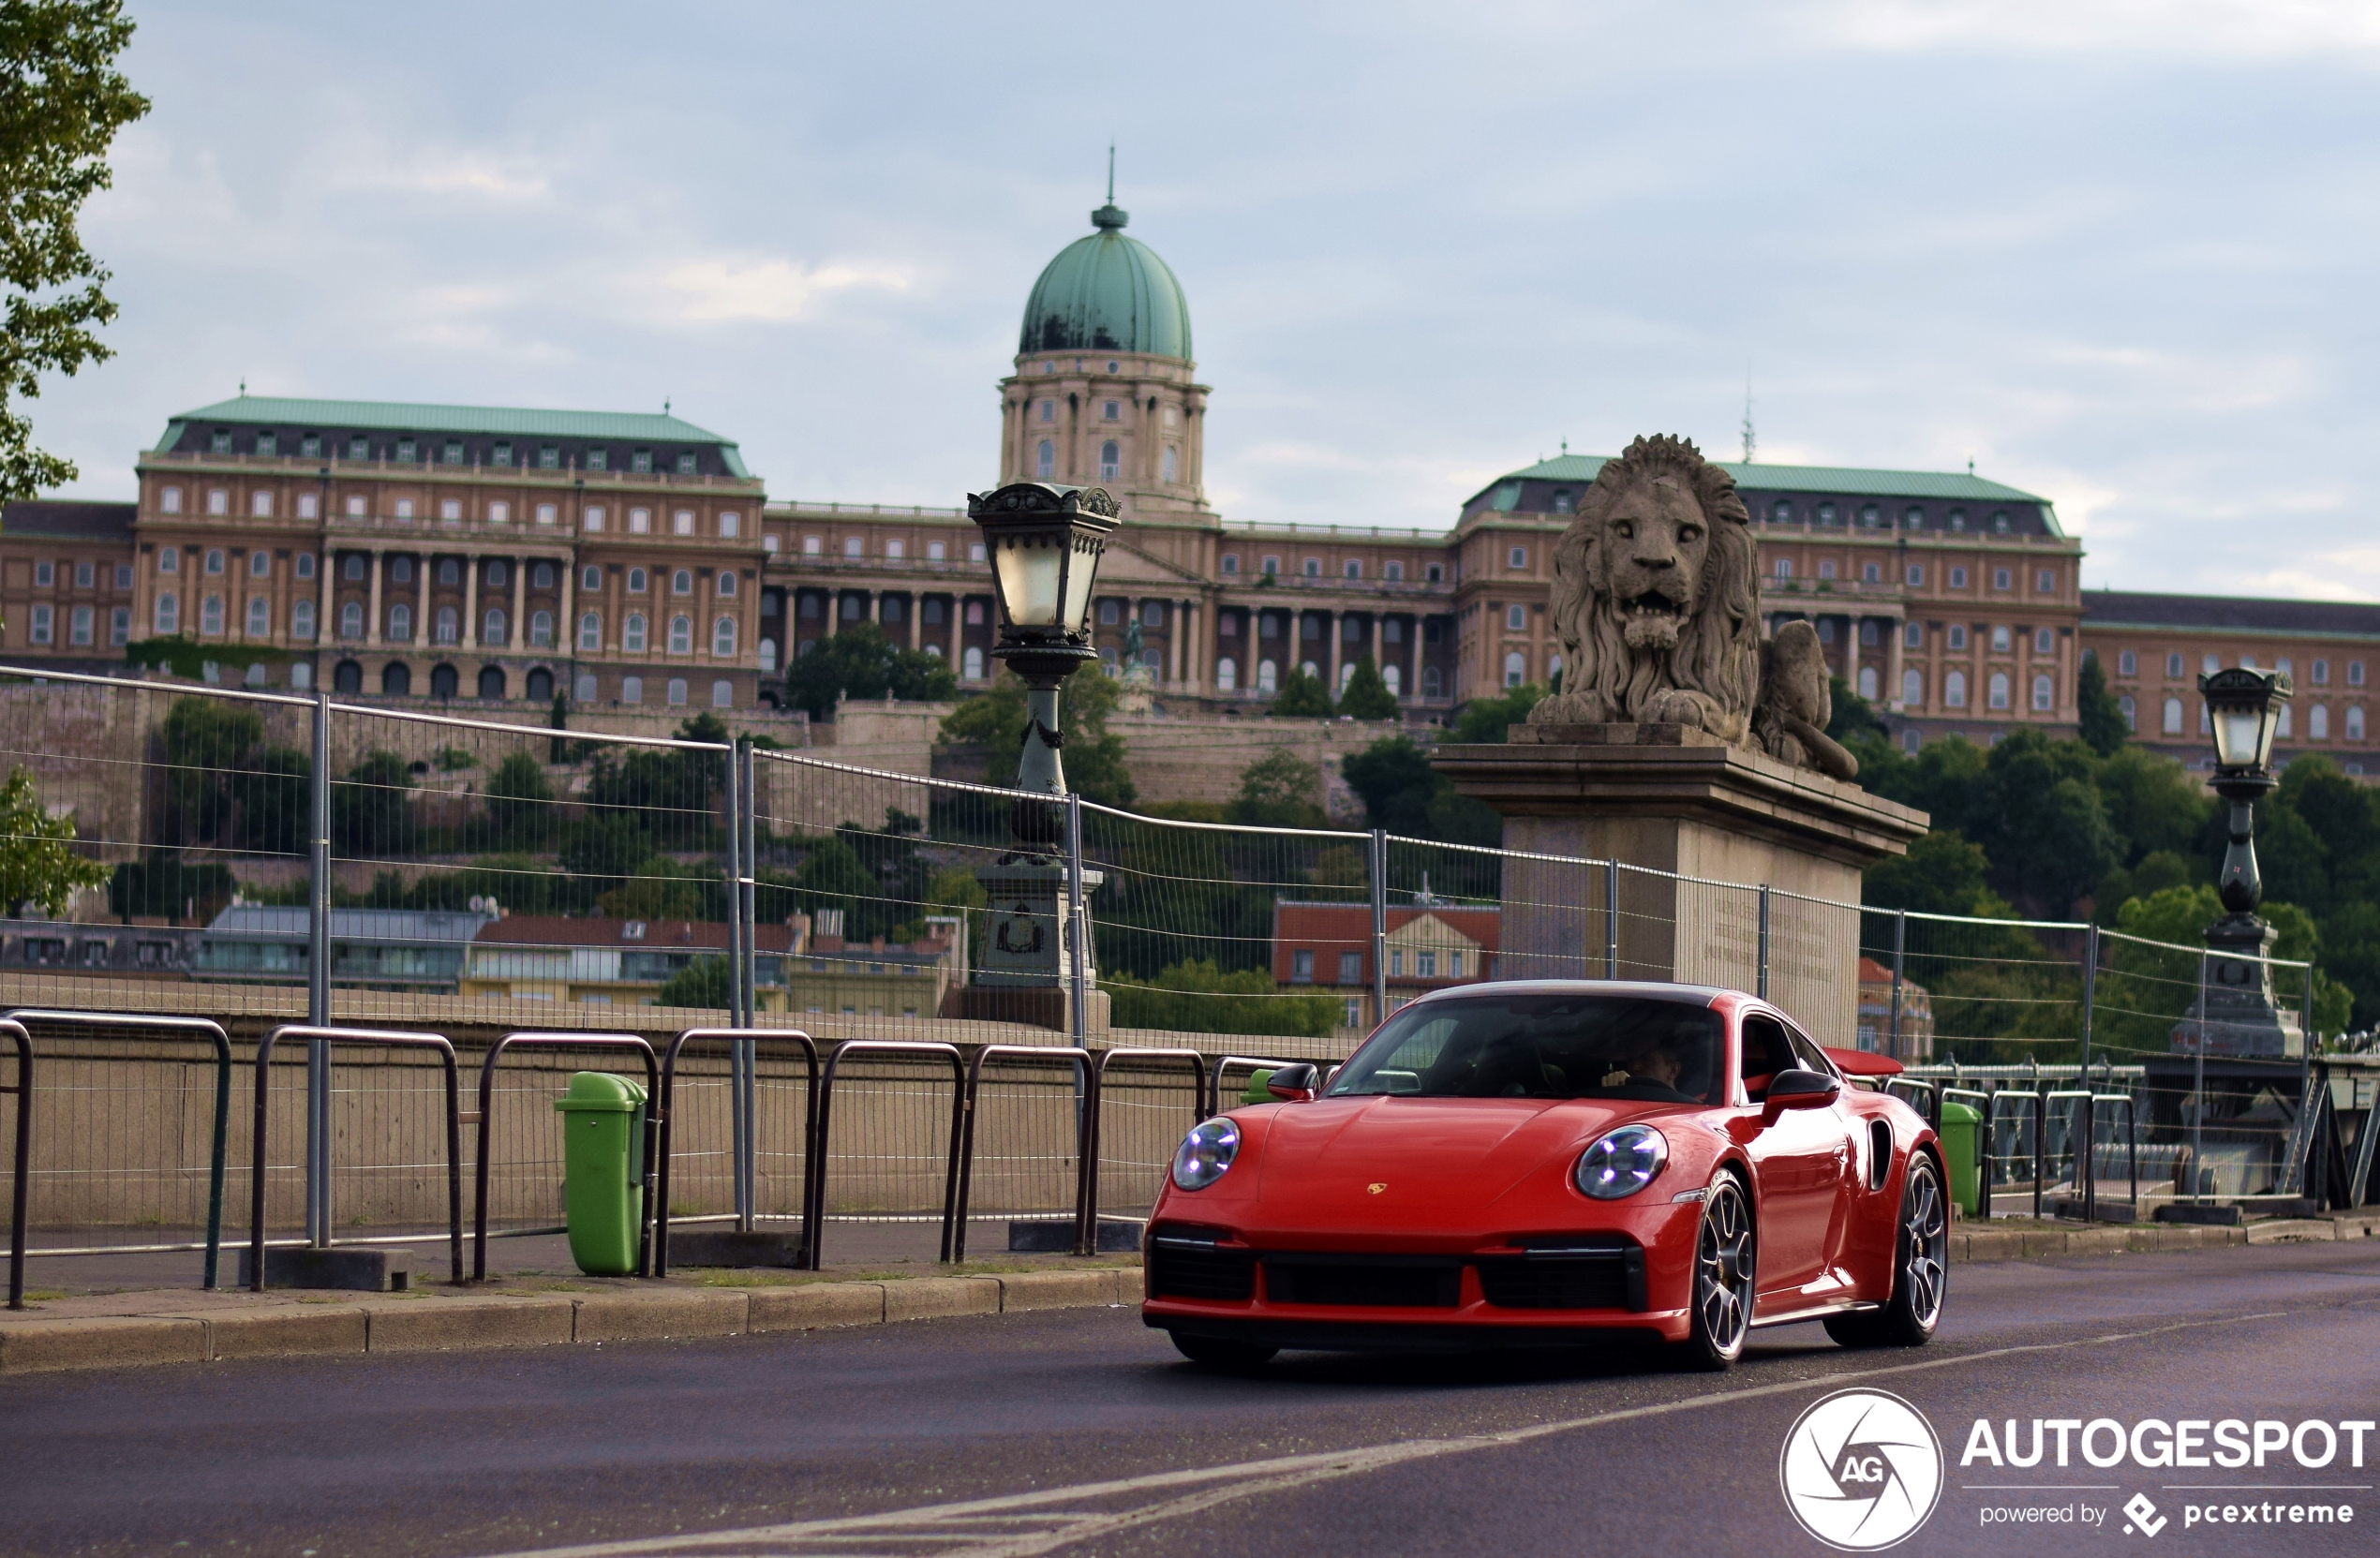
(1367, 696)
(1484, 720)
(705, 982)
(520, 803)
(861, 662)
(166, 885)
(1094, 760)
(1302, 696)
(1278, 789)
(1198, 997)
(2100, 717)
(369, 819)
(62, 101)
(1403, 794)
(37, 862)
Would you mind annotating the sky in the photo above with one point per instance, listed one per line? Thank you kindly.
(2118, 253)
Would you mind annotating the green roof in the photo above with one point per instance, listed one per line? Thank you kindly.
(1106, 292)
(400, 416)
(1844, 481)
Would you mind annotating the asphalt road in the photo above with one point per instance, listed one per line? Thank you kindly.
(1079, 1431)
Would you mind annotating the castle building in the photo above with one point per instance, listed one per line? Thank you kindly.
(494, 555)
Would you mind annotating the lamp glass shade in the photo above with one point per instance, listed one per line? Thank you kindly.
(2244, 707)
(1082, 570)
(2241, 737)
(1030, 568)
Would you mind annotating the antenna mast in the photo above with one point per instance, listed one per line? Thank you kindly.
(1752, 443)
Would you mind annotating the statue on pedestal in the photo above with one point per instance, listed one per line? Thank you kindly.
(1656, 607)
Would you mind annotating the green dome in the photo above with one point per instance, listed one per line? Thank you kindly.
(1108, 293)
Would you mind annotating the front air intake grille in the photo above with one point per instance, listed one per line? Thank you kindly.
(1363, 1281)
(1192, 1267)
(1602, 1273)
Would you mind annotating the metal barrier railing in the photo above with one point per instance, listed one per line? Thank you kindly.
(22, 1091)
(1087, 1230)
(1922, 1096)
(219, 1144)
(392, 1038)
(667, 1109)
(1080, 1062)
(633, 1042)
(815, 1212)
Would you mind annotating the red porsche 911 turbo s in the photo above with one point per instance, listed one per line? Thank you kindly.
(1549, 1163)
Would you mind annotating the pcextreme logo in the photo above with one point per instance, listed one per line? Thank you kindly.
(1861, 1470)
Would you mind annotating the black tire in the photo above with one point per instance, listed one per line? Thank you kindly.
(1726, 1270)
(1214, 1353)
(1921, 1269)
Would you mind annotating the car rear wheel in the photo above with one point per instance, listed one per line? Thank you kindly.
(1216, 1352)
(1725, 1256)
(1921, 1269)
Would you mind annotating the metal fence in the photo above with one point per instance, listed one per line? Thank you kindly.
(278, 859)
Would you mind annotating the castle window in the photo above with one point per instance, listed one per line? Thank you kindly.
(1230, 564)
(1915, 576)
(2044, 695)
(2322, 673)
(1516, 619)
(1563, 503)
(1958, 578)
(1111, 410)
(1392, 572)
(1827, 569)
(1049, 410)
(1351, 569)
(1913, 517)
(2045, 640)
(1784, 568)
(1110, 461)
(1271, 567)
(2001, 641)
(1517, 557)
(1913, 635)
(2001, 578)
(2000, 690)
(1780, 510)
(1871, 573)
(1172, 464)
(1314, 568)
(1045, 462)
(1955, 689)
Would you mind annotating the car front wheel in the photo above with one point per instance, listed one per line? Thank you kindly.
(1921, 1269)
(1725, 1257)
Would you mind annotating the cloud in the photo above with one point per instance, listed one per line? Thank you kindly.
(2112, 30)
(768, 292)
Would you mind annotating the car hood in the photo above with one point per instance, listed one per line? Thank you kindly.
(1441, 1162)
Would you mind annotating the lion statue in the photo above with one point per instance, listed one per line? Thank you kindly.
(1656, 608)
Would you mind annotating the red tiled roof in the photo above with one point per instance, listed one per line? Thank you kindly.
(1327, 929)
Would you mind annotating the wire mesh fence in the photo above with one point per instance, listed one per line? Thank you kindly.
(479, 879)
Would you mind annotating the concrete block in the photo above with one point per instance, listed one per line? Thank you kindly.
(108, 1342)
(931, 1298)
(435, 1323)
(287, 1330)
(815, 1306)
(646, 1314)
(355, 1269)
(1131, 1284)
(2307, 1230)
(2042, 1244)
(731, 1248)
(1057, 1290)
(2002, 1245)
(2095, 1241)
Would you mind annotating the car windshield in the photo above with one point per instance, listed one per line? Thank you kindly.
(1544, 1046)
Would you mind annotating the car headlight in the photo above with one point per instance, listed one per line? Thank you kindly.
(1621, 1164)
(1205, 1153)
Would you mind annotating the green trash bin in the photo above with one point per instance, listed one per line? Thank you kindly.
(1957, 1130)
(604, 1171)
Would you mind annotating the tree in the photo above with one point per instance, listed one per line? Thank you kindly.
(1094, 760)
(162, 884)
(38, 863)
(61, 103)
(1277, 789)
(661, 888)
(861, 662)
(205, 741)
(2101, 717)
(1397, 784)
(369, 819)
(1367, 696)
(520, 803)
(273, 800)
(1484, 720)
(1302, 697)
(705, 983)
(1850, 715)
(603, 848)
(1197, 997)
(832, 876)
(1941, 874)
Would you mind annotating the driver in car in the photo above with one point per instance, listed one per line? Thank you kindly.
(1651, 1073)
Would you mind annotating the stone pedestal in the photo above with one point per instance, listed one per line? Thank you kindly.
(2238, 1015)
(1674, 799)
(1024, 970)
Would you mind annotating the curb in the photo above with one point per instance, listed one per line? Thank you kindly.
(438, 1323)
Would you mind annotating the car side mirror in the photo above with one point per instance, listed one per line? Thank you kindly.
(1798, 1089)
(1295, 1084)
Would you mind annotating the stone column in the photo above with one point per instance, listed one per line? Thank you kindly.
(372, 617)
(1892, 665)
(1331, 662)
(471, 602)
(520, 602)
(1376, 663)
(567, 627)
(1173, 644)
(916, 611)
(1413, 686)
(957, 630)
(421, 632)
(1851, 654)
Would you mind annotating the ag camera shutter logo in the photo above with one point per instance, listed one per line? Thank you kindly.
(1861, 1470)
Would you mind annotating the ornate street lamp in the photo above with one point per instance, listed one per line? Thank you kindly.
(1045, 543)
(2236, 1015)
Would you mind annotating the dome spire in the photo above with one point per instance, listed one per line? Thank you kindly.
(1110, 217)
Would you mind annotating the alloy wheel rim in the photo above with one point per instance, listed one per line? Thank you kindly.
(1925, 1237)
(1723, 1270)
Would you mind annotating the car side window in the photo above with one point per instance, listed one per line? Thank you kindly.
(1766, 1051)
(1808, 1056)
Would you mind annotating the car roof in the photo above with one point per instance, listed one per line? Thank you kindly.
(1692, 995)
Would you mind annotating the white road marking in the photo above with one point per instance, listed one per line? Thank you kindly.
(941, 1529)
